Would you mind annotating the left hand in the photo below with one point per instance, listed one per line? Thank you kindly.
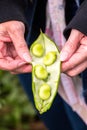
(74, 54)
(14, 53)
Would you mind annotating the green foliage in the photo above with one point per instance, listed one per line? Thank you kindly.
(15, 109)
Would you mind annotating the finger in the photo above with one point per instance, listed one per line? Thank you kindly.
(23, 69)
(71, 45)
(9, 64)
(84, 41)
(17, 35)
(77, 70)
(75, 60)
(5, 38)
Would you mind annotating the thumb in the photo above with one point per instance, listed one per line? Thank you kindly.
(22, 49)
(71, 45)
(17, 36)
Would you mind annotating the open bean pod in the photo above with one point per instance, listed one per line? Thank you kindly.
(46, 72)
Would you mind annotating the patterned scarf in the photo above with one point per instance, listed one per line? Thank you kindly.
(70, 89)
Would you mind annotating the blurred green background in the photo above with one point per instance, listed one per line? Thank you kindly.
(16, 110)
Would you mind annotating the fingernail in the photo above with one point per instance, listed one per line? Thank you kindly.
(26, 57)
(63, 56)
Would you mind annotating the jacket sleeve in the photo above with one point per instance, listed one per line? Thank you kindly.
(12, 10)
(79, 21)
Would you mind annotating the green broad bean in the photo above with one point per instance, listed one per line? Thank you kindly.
(44, 91)
(45, 73)
(37, 50)
(49, 58)
(40, 72)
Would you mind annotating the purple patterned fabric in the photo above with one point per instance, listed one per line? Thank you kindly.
(70, 89)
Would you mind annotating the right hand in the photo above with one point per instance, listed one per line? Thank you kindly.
(14, 53)
(74, 54)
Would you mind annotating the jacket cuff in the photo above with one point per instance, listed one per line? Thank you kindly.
(79, 21)
(12, 10)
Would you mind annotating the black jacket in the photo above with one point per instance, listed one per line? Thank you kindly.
(79, 21)
(30, 12)
(15, 10)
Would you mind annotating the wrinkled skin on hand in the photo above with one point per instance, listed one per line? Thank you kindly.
(74, 54)
(14, 53)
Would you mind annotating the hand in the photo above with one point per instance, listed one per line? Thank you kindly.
(14, 53)
(74, 54)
